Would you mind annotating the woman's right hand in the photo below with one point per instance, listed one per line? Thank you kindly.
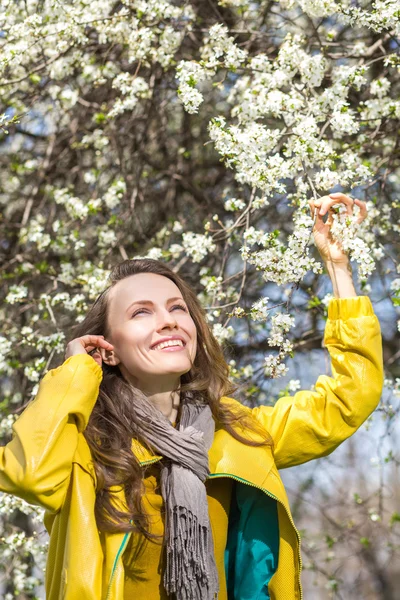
(85, 345)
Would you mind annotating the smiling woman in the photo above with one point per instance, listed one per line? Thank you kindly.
(159, 358)
(138, 506)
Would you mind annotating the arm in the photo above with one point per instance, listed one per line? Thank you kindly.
(312, 424)
(36, 464)
(342, 279)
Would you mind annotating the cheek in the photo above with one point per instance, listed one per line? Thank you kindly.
(188, 324)
(129, 339)
(191, 328)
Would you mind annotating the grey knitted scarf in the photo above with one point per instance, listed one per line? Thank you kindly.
(190, 571)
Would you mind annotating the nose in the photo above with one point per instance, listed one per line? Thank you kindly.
(166, 319)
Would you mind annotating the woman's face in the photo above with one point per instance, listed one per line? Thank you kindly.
(144, 310)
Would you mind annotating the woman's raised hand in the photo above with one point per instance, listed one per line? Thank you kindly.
(329, 249)
(87, 343)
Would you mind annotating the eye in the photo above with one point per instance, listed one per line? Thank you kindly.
(179, 306)
(138, 312)
(142, 310)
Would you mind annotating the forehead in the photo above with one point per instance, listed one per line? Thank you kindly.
(142, 286)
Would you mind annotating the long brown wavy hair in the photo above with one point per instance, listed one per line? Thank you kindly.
(113, 423)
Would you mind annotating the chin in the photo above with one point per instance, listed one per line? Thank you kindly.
(180, 371)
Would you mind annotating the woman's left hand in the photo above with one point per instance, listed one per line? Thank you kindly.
(329, 249)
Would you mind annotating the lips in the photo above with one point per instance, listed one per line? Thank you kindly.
(168, 339)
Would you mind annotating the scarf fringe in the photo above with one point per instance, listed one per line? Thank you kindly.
(187, 561)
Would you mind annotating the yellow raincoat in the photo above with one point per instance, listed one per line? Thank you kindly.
(48, 461)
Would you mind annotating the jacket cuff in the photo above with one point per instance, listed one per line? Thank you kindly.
(350, 308)
(77, 360)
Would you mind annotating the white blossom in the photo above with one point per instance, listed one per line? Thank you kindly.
(107, 238)
(133, 88)
(294, 385)
(197, 245)
(177, 227)
(273, 367)
(17, 293)
(115, 193)
(344, 122)
(222, 334)
(175, 250)
(234, 204)
(154, 253)
(259, 310)
(380, 87)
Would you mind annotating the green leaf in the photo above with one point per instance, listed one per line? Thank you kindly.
(389, 457)
(99, 117)
(313, 302)
(329, 541)
(42, 266)
(34, 78)
(395, 518)
(253, 389)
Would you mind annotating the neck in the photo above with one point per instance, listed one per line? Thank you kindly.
(164, 394)
(167, 403)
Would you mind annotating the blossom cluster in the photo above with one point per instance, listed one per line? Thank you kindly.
(344, 229)
(218, 51)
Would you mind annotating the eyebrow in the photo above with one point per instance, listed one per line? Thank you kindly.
(149, 302)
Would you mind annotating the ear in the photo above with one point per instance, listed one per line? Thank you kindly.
(109, 357)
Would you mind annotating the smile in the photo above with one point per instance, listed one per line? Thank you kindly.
(171, 346)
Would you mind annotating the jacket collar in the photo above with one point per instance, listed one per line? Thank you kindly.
(143, 455)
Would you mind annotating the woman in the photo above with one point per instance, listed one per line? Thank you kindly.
(157, 484)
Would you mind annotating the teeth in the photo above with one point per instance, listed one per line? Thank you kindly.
(166, 344)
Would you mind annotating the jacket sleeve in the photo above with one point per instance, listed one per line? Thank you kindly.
(312, 424)
(36, 464)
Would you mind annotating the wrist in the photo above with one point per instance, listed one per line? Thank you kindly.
(344, 265)
(342, 280)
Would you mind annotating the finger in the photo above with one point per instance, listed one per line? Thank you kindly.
(326, 203)
(95, 353)
(90, 347)
(84, 345)
(322, 204)
(363, 210)
(319, 223)
(347, 200)
(95, 340)
(105, 344)
(338, 195)
(348, 203)
(329, 221)
(350, 208)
